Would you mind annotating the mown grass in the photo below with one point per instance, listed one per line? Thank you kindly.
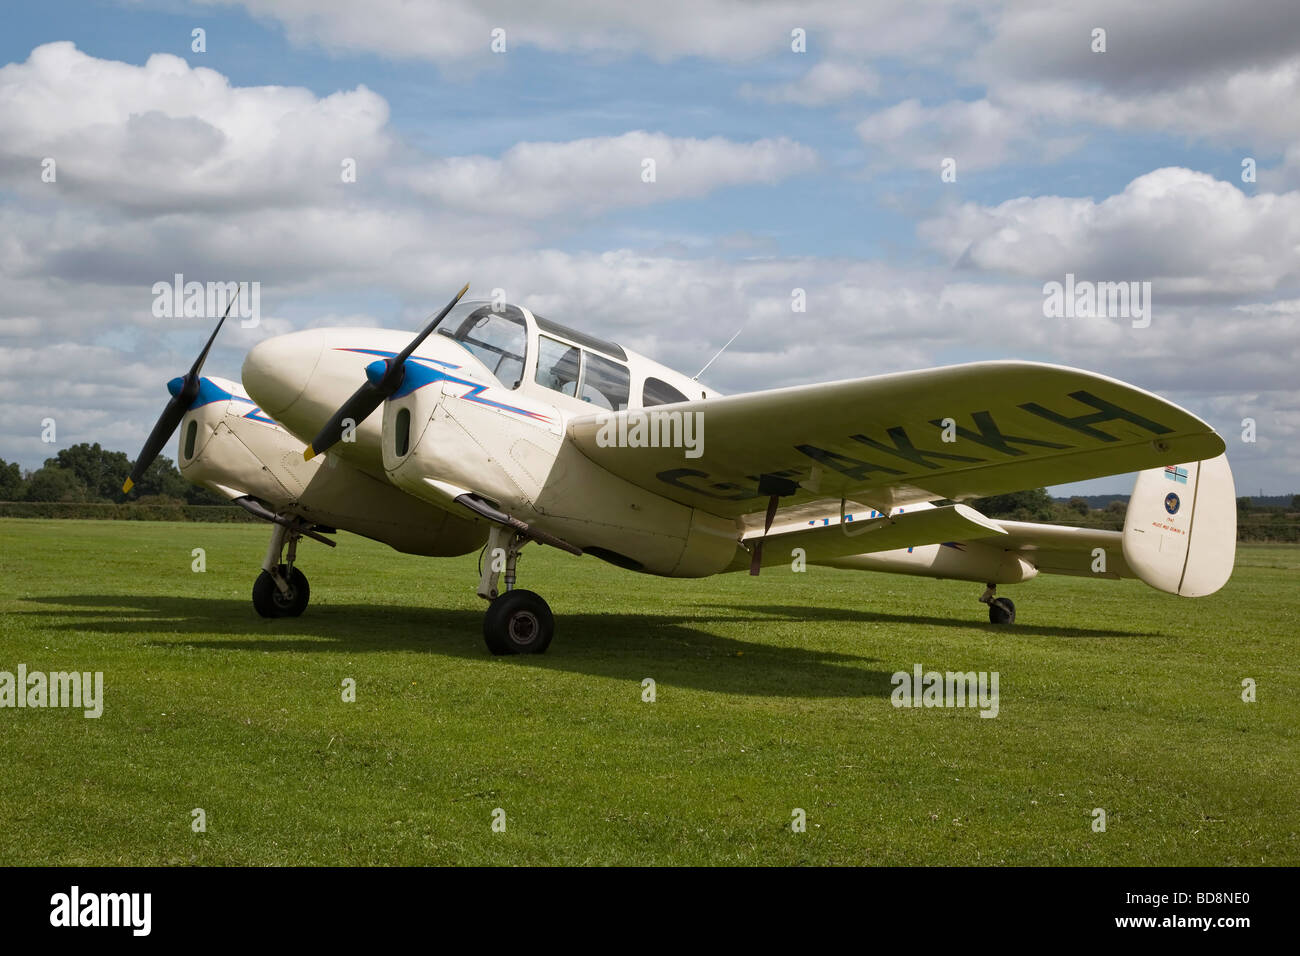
(771, 695)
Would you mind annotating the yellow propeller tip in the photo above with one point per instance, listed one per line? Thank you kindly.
(463, 289)
(308, 453)
(127, 486)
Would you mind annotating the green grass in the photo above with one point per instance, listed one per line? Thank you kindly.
(772, 694)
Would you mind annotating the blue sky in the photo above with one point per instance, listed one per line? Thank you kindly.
(902, 269)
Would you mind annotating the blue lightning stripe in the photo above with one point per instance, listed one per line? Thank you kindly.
(414, 358)
(418, 376)
(210, 391)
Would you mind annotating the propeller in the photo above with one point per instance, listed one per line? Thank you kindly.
(775, 487)
(184, 389)
(372, 394)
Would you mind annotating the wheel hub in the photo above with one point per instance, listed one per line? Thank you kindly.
(523, 627)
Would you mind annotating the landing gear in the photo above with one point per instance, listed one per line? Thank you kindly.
(1001, 610)
(270, 601)
(281, 590)
(517, 621)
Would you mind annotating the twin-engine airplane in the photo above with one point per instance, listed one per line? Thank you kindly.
(500, 427)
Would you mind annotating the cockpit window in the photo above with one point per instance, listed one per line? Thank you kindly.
(559, 365)
(604, 382)
(497, 338)
(582, 374)
(656, 391)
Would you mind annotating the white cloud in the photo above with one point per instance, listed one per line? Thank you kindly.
(977, 134)
(1185, 230)
(587, 175)
(165, 135)
(828, 82)
(731, 30)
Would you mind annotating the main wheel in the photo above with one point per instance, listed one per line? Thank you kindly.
(518, 622)
(268, 600)
(1002, 611)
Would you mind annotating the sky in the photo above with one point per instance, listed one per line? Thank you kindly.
(921, 170)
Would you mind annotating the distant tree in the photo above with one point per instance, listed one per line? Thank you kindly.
(1243, 505)
(12, 485)
(1079, 505)
(162, 478)
(198, 495)
(53, 483)
(1295, 502)
(1117, 507)
(1032, 505)
(100, 471)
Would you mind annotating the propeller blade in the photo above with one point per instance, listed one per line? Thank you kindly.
(756, 559)
(371, 395)
(197, 367)
(162, 431)
(428, 329)
(175, 409)
(355, 410)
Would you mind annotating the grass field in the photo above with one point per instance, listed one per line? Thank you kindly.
(771, 695)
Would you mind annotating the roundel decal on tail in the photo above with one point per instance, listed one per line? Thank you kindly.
(1171, 503)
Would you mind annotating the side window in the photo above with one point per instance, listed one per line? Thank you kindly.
(658, 392)
(558, 365)
(605, 382)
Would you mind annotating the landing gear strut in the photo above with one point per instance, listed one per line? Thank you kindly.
(1001, 610)
(281, 590)
(517, 621)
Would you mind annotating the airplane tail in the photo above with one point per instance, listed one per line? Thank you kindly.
(1180, 531)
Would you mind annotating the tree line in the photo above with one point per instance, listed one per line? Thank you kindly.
(87, 473)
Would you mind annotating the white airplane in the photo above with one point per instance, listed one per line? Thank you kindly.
(499, 427)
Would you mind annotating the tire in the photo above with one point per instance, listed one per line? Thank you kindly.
(1002, 611)
(268, 600)
(518, 622)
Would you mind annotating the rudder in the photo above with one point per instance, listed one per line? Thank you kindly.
(1180, 531)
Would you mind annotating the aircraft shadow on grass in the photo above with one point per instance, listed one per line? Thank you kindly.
(673, 649)
(851, 615)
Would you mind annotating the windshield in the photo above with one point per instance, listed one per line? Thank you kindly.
(496, 335)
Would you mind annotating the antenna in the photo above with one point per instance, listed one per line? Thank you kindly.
(696, 376)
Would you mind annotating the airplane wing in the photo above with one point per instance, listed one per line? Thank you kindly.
(882, 440)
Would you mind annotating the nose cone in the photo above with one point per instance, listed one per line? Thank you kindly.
(277, 370)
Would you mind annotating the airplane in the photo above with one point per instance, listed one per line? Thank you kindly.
(499, 427)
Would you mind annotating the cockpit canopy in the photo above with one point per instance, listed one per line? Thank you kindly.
(569, 362)
(497, 337)
(585, 368)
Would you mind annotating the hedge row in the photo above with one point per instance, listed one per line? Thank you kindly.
(130, 511)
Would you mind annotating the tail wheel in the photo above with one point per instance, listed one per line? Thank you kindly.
(1002, 611)
(270, 601)
(518, 622)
